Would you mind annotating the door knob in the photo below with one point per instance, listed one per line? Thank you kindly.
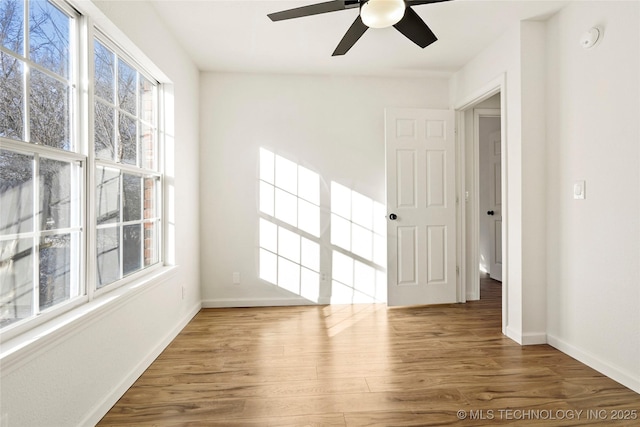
(393, 217)
(490, 213)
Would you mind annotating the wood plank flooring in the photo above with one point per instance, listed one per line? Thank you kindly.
(367, 365)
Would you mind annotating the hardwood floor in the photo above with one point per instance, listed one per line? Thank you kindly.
(366, 365)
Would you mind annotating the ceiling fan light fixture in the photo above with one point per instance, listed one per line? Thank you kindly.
(382, 13)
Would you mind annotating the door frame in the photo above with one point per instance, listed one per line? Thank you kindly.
(470, 263)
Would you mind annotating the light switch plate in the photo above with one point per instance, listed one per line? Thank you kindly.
(579, 190)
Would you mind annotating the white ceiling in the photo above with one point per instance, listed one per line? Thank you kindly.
(237, 36)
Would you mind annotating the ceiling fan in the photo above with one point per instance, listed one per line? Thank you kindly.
(373, 14)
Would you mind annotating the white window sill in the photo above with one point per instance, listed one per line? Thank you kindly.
(19, 350)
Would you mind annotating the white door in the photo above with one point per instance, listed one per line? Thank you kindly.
(421, 207)
(495, 211)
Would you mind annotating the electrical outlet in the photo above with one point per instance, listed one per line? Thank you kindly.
(236, 278)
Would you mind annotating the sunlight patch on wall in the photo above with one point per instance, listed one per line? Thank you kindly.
(290, 207)
(289, 192)
(358, 233)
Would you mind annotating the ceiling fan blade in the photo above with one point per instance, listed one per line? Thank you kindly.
(415, 29)
(419, 2)
(313, 9)
(353, 34)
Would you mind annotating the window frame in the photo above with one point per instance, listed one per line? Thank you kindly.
(85, 30)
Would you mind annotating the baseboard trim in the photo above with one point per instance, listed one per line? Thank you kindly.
(534, 338)
(617, 374)
(107, 403)
(254, 302)
(528, 338)
(514, 335)
(473, 296)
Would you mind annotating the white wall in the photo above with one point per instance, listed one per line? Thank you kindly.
(331, 125)
(593, 247)
(571, 114)
(506, 58)
(74, 379)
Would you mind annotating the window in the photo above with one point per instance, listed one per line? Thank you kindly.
(126, 176)
(68, 189)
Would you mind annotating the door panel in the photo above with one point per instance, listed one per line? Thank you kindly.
(436, 173)
(436, 254)
(406, 178)
(407, 252)
(420, 150)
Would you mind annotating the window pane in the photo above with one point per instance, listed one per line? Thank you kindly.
(11, 97)
(58, 200)
(108, 256)
(151, 243)
(147, 100)
(132, 248)
(107, 195)
(11, 25)
(104, 131)
(150, 195)
(148, 146)
(132, 191)
(49, 111)
(16, 193)
(128, 142)
(49, 37)
(16, 280)
(55, 270)
(104, 71)
(126, 87)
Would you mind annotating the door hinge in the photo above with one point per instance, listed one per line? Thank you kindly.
(457, 270)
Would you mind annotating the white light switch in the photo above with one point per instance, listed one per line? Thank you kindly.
(579, 190)
(236, 278)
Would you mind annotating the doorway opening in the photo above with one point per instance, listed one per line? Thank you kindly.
(483, 189)
(487, 141)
